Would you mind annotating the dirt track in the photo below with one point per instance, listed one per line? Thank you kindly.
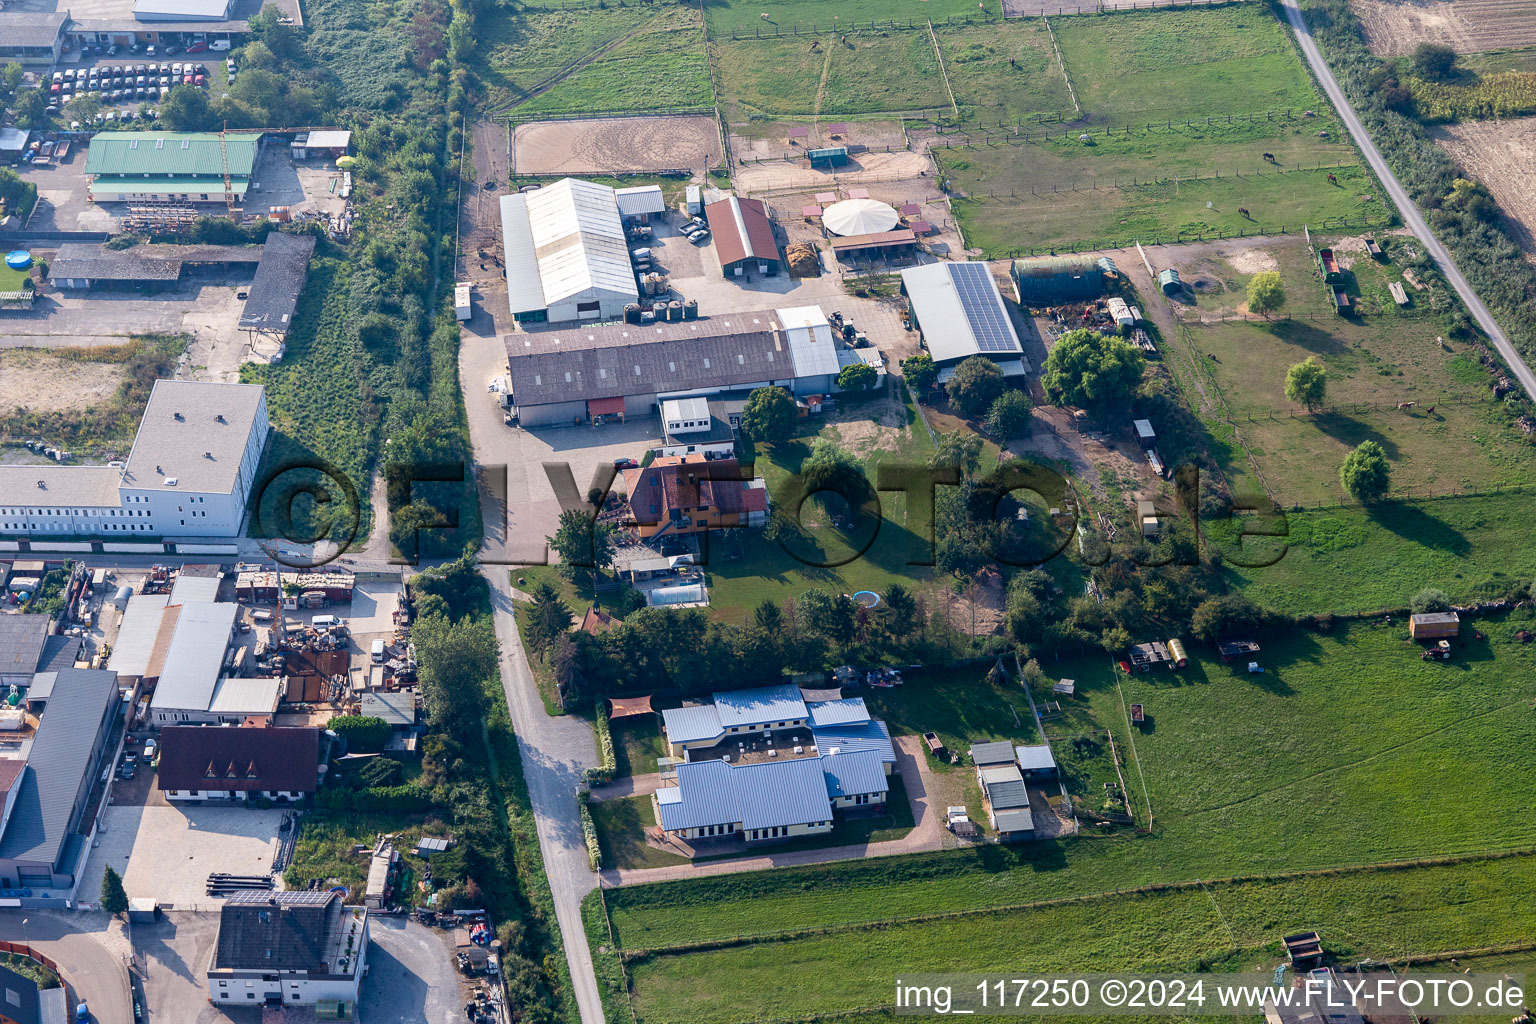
(615, 145)
(1501, 155)
(1394, 27)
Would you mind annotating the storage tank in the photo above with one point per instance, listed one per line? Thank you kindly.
(691, 309)
(659, 310)
(1177, 652)
(632, 313)
(674, 311)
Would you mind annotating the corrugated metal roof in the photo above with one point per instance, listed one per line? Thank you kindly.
(397, 707)
(236, 696)
(159, 154)
(1035, 758)
(1007, 795)
(810, 340)
(524, 291)
(188, 589)
(1000, 774)
(766, 795)
(331, 139)
(948, 327)
(741, 229)
(575, 242)
(22, 639)
(195, 657)
(760, 705)
(870, 735)
(61, 755)
(1019, 820)
(692, 725)
(176, 10)
(992, 752)
(846, 711)
(851, 774)
(279, 281)
(640, 200)
(136, 634)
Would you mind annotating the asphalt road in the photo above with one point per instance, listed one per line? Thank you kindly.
(78, 943)
(555, 752)
(1410, 212)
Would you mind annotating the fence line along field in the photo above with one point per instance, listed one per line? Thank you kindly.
(829, 74)
(1394, 27)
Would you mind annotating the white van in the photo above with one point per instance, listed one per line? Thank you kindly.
(325, 621)
(377, 650)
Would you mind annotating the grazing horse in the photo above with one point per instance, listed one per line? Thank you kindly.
(1405, 406)
(1332, 180)
(1270, 157)
(1243, 210)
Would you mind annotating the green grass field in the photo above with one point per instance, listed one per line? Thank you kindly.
(621, 826)
(637, 743)
(745, 18)
(1004, 73)
(1111, 218)
(1374, 362)
(660, 69)
(1137, 67)
(867, 73)
(1337, 746)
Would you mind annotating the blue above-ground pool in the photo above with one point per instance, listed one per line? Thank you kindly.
(18, 259)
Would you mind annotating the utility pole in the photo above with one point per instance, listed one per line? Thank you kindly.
(229, 193)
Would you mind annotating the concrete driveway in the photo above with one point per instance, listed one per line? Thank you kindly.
(173, 955)
(88, 947)
(411, 978)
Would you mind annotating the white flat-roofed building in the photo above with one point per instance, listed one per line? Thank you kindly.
(567, 254)
(190, 668)
(189, 474)
(960, 312)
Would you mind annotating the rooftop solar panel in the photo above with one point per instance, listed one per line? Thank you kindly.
(978, 297)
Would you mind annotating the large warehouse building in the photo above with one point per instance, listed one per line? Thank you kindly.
(960, 312)
(187, 167)
(190, 471)
(568, 377)
(567, 258)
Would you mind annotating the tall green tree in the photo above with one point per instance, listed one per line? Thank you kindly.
(1433, 61)
(455, 660)
(114, 899)
(975, 385)
(768, 617)
(899, 611)
(1010, 414)
(1366, 473)
(1092, 371)
(919, 371)
(1306, 383)
(857, 377)
(1266, 292)
(959, 448)
(547, 619)
(583, 542)
(769, 415)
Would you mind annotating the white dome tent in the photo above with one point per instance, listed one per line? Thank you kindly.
(859, 217)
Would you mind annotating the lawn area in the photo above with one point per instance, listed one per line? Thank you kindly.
(1112, 218)
(637, 743)
(1004, 73)
(621, 826)
(13, 280)
(745, 18)
(1354, 559)
(1141, 155)
(1339, 741)
(1226, 926)
(959, 704)
(1158, 65)
(326, 840)
(863, 72)
(664, 68)
(1373, 362)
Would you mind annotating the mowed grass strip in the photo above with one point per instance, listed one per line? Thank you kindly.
(1340, 742)
(745, 18)
(1004, 73)
(655, 70)
(834, 973)
(1370, 914)
(524, 48)
(1159, 65)
(1089, 218)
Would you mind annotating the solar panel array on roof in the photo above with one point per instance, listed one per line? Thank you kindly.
(978, 297)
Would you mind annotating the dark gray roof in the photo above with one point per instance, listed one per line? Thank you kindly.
(279, 931)
(25, 1003)
(84, 25)
(992, 752)
(22, 639)
(60, 652)
(279, 279)
(31, 28)
(141, 262)
(628, 359)
(61, 755)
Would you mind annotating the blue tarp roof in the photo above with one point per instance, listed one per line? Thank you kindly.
(850, 774)
(791, 792)
(690, 725)
(848, 739)
(1034, 759)
(838, 712)
(759, 706)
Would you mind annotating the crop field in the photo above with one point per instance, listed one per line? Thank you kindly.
(1004, 73)
(1353, 559)
(525, 50)
(1374, 362)
(859, 74)
(1136, 67)
(1111, 218)
(1231, 926)
(1394, 27)
(1501, 155)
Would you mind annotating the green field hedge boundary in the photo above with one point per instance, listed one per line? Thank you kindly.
(745, 939)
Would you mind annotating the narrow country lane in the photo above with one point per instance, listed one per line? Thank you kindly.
(1411, 215)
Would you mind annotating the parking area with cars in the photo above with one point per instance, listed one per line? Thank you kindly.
(116, 81)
